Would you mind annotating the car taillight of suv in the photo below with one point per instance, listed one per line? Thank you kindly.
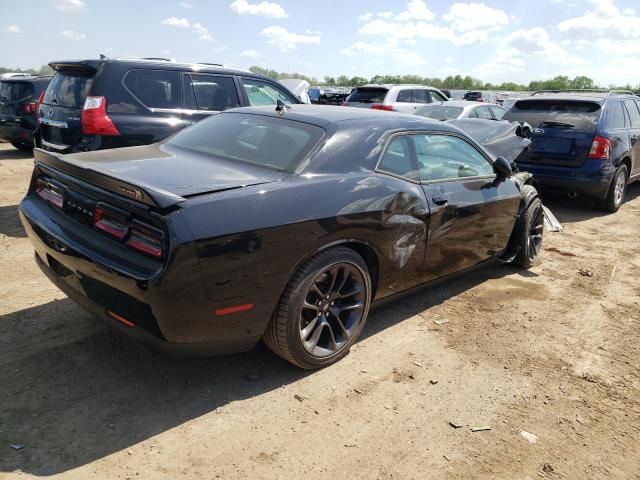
(600, 148)
(95, 120)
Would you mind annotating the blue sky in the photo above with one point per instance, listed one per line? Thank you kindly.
(494, 40)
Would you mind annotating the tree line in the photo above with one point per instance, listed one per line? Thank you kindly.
(43, 70)
(457, 82)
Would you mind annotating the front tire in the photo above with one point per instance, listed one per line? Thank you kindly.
(617, 190)
(529, 243)
(322, 310)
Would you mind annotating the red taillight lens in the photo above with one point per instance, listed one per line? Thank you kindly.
(29, 107)
(40, 100)
(47, 192)
(600, 148)
(111, 223)
(95, 120)
(380, 106)
(146, 241)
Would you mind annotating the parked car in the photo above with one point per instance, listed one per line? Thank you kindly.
(283, 224)
(108, 103)
(584, 142)
(473, 96)
(454, 109)
(397, 98)
(18, 108)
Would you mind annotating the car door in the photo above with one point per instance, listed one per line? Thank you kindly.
(404, 101)
(634, 133)
(472, 212)
(206, 94)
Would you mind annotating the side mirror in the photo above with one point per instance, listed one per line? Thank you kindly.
(502, 167)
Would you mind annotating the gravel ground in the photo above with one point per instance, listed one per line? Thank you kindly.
(552, 352)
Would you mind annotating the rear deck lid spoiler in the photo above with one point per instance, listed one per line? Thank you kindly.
(84, 65)
(139, 192)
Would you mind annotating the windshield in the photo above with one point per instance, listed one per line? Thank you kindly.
(367, 95)
(440, 112)
(68, 89)
(269, 142)
(15, 90)
(579, 114)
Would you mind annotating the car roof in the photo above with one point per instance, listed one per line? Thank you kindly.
(463, 103)
(158, 63)
(389, 86)
(325, 115)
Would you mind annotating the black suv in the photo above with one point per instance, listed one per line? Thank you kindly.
(18, 108)
(473, 97)
(109, 103)
(585, 142)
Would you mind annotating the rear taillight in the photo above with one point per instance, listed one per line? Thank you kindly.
(40, 100)
(135, 234)
(95, 120)
(380, 106)
(30, 107)
(48, 193)
(112, 223)
(146, 240)
(600, 148)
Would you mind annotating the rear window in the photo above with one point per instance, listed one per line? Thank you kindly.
(269, 142)
(68, 89)
(440, 112)
(15, 90)
(579, 114)
(155, 88)
(367, 95)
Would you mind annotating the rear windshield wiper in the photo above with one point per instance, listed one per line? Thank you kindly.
(556, 124)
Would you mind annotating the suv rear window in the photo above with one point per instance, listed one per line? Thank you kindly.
(155, 88)
(268, 142)
(580, 114)
(68, 89)
(15, 90)
(367, 95)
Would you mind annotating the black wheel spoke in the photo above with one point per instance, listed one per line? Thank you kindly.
(310, 306)
(354, 291)
(315, 336)
(306, 331)
(353, 306)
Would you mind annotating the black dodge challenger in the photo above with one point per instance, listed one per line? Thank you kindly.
(283, 224)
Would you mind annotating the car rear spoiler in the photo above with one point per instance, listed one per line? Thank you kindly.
(138, 192)
(84, 65)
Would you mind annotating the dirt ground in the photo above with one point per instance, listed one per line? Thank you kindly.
(551, 351)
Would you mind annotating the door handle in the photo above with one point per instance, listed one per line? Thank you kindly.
(440, 199)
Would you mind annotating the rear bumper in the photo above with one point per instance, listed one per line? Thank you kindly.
(177, 321)
(592, 179)
(16, 133)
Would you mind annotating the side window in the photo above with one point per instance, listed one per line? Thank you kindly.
(420, 96)
(634, 114)
(484, 112)
(473, 113)
(264, 93)
(405, 96)
(617, 116)
(445, 157)
(155, 88)
(399, 159)
(436, 97)
(214, 92)
(498, 112)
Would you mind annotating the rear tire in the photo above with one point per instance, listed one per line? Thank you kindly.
(322, 310)
(529, 243)
(617, 190)
(24, 147)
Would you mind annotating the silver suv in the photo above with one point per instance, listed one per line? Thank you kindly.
(397, 98)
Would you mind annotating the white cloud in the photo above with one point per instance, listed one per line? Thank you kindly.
(281, 38)
(13, 29)
(69, 5)
(186, 5)
(264, 9)
(464, 23)
(402, 56)
(72, 35)
(249, 54)
(416, 10)
(196, 28)
(605, 20)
